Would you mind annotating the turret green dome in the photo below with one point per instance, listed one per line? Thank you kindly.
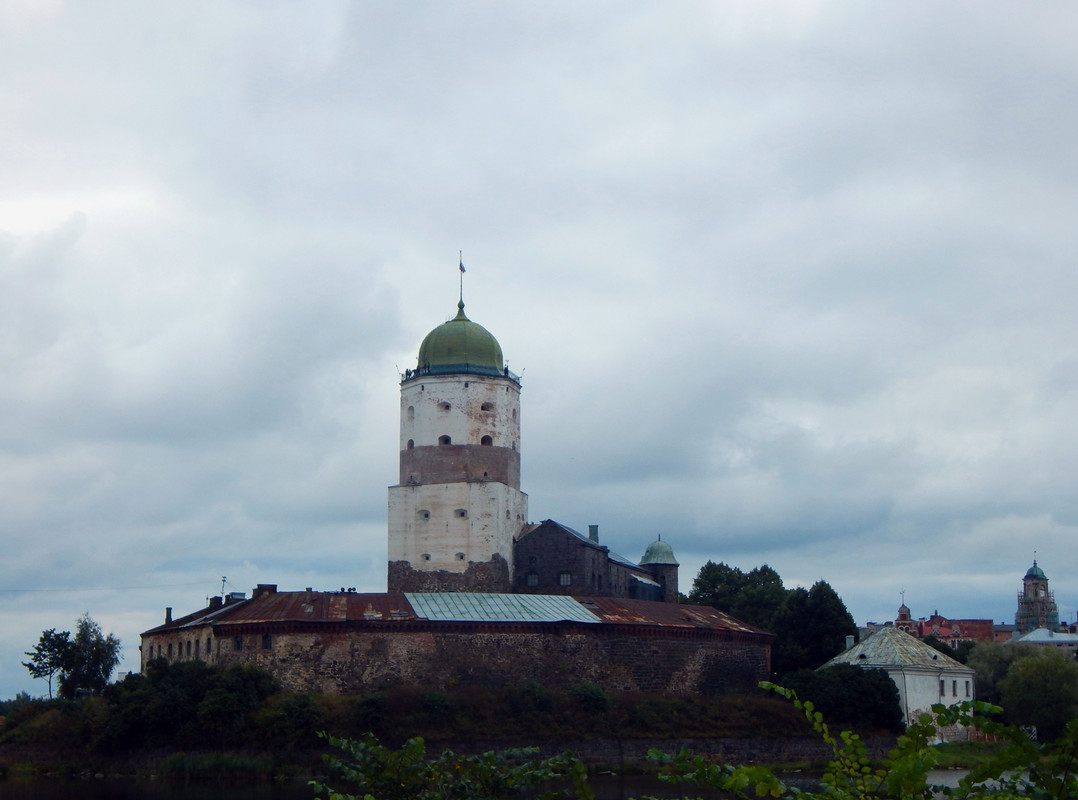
(659, 552)
(1036, 572)
(460, 345)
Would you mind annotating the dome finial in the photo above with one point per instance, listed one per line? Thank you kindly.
(460, 305)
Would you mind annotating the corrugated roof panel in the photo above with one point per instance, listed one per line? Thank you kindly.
(476, 607)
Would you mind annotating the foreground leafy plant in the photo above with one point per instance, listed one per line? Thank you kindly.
(379, 773)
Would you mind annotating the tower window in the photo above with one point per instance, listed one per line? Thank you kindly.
(486, 407)
(411, 413)
(486, 440)
(532, 579)
(411, 444)
(444, 406)
(426, 556)
(565, 579)
(460, 556)
(424, 514)
(465, 384)
(461, 512)
(444, 439)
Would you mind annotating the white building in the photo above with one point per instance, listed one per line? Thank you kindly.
(924, 676)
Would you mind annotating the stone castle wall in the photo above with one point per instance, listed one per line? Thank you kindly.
(335, 659)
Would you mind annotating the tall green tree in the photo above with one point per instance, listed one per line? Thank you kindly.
(49, 655)
(753, 597)
(810, 629)
(1042, 690)
(991, 661)
(83, 663)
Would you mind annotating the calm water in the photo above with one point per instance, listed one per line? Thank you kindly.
(607, 787)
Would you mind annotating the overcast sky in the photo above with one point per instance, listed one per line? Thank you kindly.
(790, 283)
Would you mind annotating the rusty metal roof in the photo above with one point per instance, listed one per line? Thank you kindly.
(646, 612)
(456, 607)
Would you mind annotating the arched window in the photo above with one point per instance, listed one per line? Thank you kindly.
(444, 406)
(411, 413)
(423, 513)
(411, 443)
(461, 512)
(445, 439)
(487, 440)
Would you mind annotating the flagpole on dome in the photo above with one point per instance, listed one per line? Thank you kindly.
(462, 278)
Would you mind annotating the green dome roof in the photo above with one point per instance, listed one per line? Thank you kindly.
(460, 345)
(1036, 572)
(659, 552)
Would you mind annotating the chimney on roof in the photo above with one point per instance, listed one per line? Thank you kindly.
(168, 614)
(593, 533)
(216, 602)
(264, 588)
(849, 640)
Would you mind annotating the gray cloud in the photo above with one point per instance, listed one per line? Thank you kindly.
(789, 285)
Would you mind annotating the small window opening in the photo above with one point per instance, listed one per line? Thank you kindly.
(943, 687)
(460, 556)
(426, 556)
(267, 642)
(532, 579)
(424, 514)
(444, 439)
(237, 643)
(487, 441)
(462, 512)
(465, 384)
(565, 579)
(486, 407)
(411, 443)
(954, 688)
(444, 406)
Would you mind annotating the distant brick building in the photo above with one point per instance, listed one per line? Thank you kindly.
(949, 631)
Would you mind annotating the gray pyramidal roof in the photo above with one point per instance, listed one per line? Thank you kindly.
(893, 647)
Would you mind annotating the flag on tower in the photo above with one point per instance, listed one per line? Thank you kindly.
(462, 263)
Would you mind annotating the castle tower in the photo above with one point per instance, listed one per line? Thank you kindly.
(1036, 605)
(660, 562)
(458, 508)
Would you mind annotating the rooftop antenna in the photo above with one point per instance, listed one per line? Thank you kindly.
(223, 579)
(902, 594)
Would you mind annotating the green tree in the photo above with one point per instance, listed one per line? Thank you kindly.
(753, 597)
(90, 659)
(810, 628)
(50, 655)
(717, 585)
(991, 661)
(1042, 690)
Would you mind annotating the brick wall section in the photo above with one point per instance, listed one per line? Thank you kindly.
(354, 658)
(454, 463)
(488, 576)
